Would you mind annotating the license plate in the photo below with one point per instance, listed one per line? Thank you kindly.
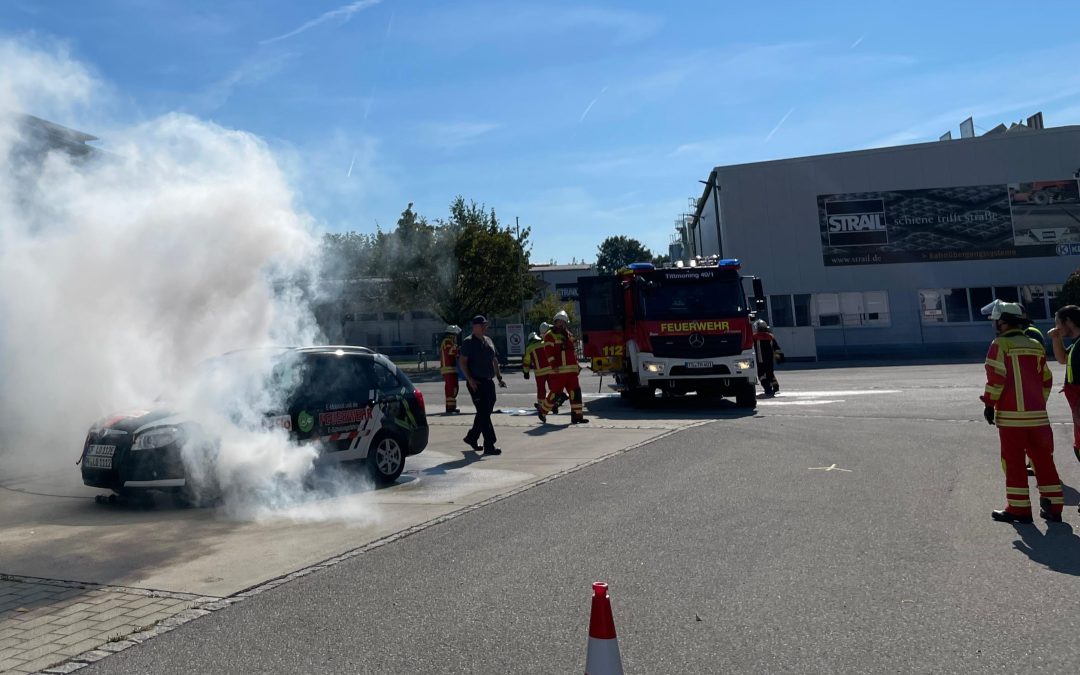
(699, 364)
(100, 456)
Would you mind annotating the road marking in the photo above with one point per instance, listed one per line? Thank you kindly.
(853, 392)
(774, 402)
(831, 467)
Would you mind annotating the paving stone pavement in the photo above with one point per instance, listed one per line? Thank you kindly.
(59, 626)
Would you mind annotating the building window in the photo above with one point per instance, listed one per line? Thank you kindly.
(780, 311)
(852, 309)
(964, 305)
(369, 317)
(940, 305)
(422, 315)
(802, 309)
(392, 316)
(1052, 293)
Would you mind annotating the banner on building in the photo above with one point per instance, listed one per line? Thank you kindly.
(515, 339)
(975, 222)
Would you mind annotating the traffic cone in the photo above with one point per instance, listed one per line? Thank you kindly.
(602, 657)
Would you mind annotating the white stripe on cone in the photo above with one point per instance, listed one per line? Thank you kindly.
(603, 658)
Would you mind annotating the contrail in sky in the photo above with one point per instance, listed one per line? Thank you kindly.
(343, 13)
(348, 174)
(591, 104)
(857, 42)
(778, 125)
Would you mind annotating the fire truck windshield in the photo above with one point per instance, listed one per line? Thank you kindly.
(720, 298)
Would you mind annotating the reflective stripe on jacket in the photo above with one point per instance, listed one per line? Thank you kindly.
(448, 353)
(1018, 381)
(560, 353)
(533, 359)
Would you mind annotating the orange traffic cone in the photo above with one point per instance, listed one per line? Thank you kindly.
(603, 655)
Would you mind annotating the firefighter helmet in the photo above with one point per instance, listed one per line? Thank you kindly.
(453, 330)
(533, 337)
(562, 316)
(544, 327)
(997, 308)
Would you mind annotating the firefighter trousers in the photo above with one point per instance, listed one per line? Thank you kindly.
(1038, 444)
(541, 388)
(569, 383)
(450, 388)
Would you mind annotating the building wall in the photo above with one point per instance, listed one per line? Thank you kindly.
(770, 220)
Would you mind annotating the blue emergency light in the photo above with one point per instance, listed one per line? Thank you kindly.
(729, 262)
(642, 266)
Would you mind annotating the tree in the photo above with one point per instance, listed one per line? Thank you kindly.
(346, 255)
(616, 253)
(409, 259)
(1070, 292)
(490, 274)
(545, 309)
(661, 260)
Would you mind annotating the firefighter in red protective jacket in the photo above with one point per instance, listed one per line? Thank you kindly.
(561, 354)
(448, 353)
(1018, 383)
(534, 363)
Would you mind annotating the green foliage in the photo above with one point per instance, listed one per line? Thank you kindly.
(347, 255)
(615, 253)
(1070, 292)
(545, 309)
(409, 259)
(491, 274)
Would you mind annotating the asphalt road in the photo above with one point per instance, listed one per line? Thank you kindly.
(729, 547)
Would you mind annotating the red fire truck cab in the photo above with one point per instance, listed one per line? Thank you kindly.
(675, 329)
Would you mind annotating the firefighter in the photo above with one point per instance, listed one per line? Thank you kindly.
(534, 363)
(1018, 383)
(1030, 330)
(1067, 325)
(448, 353)
(561, 355)
(768, 355)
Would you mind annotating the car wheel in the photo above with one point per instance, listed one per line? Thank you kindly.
(1041, 198)
(386, 459)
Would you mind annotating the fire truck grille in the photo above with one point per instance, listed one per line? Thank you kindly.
(681, 346)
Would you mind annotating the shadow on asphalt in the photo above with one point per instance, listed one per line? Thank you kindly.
(1072, 497)
(673, 407)
(1058, 548)
(471, 457)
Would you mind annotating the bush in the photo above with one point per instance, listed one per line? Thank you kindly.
(1070, 292)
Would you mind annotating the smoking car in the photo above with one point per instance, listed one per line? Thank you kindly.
(356, 406)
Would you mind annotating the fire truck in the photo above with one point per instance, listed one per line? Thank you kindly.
(676, 329)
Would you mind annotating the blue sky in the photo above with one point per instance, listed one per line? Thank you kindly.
(585, 119)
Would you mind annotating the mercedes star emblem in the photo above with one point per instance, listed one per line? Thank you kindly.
(697, 340)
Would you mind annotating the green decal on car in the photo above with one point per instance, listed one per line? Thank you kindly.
(305, 421)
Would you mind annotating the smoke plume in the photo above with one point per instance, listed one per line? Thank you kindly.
(123, 268)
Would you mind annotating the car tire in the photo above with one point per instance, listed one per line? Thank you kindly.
(746, 395)
(386, 459)
(1041, 198)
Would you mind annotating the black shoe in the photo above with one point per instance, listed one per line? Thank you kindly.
(1006, 517)
(579, 420)
(455, 411)
(472, 444)
(492, 451)
(1050, 516)
(542, 416)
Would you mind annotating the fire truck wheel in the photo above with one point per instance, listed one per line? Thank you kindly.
(641, 397)
(746, 395)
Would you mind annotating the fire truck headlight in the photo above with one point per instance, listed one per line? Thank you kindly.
(654, 368)
(742, 365)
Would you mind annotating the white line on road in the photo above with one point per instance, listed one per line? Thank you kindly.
(811, 402)
(853, 392)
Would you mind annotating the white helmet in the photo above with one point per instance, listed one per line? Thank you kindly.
(533, 337)
(562, 316)
(544, 327)
(997, 308)
(454, 330)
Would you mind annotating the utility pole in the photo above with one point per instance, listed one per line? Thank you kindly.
(521, 275)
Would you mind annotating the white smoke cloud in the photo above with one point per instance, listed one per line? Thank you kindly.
(120, 272)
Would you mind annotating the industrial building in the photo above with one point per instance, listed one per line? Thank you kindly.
(892, 252)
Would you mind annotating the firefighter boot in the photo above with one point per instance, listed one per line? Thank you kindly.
(578, 419)
(1007, 517)
(1046, 512)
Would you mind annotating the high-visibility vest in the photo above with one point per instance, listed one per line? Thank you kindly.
(448, 352)
(1018, 380)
